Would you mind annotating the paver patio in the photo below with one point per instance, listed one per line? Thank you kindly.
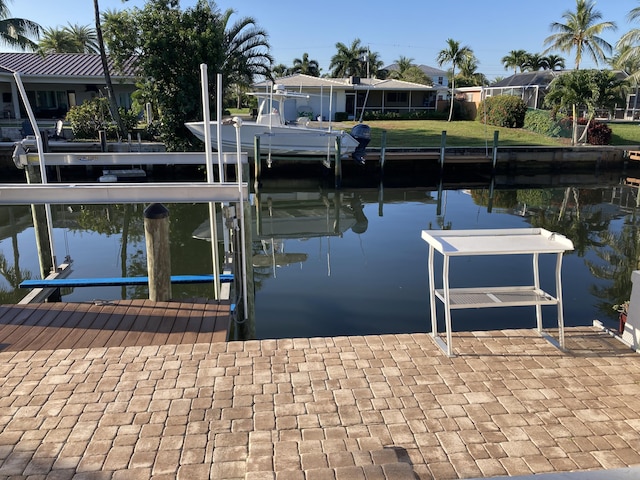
(343, 408)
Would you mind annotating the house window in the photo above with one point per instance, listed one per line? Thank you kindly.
(397, 97)
(440, 80)
(49, 103)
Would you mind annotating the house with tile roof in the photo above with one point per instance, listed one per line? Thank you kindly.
(348, 97)
(56, 82)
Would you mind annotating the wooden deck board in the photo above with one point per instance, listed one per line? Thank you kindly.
(51, 326)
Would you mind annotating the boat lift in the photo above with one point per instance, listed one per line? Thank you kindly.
(110, 192)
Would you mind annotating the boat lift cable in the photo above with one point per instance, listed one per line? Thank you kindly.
(43, 171)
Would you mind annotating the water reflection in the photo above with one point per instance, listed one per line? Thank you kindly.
(345, 262)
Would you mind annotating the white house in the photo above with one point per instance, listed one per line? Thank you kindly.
(350, 96)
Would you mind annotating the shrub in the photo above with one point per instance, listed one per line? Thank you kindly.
(93, 115)
(599, 134)
(89, 118)
(414, 115)
(542, 122)
(341, 116)
(503, 111)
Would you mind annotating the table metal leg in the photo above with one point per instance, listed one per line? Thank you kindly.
(432, 295)
(447, 303)
(559, 299)
(536, 283)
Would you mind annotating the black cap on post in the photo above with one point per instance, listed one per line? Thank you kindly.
(156, 211)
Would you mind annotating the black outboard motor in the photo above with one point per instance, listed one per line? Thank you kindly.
(362, 133)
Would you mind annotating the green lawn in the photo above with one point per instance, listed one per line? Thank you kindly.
(428, 133)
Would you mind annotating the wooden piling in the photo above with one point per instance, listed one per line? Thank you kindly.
(156, 229)
(43, 240)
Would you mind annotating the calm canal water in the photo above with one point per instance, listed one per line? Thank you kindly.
(352, 262)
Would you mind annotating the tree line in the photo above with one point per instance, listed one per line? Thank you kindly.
(159, 33)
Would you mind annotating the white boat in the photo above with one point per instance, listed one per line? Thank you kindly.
(278, 137)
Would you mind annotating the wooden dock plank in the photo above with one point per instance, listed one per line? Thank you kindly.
(33, 320)
(53, 326)
(111, 315)
(195, 324)
(87, 328)
(209, 320)
(35, 337)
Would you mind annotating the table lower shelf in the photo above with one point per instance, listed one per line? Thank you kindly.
(488, 297)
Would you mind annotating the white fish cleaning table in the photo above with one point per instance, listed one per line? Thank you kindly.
(519, 241)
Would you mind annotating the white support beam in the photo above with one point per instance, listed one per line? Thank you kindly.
(133, 158)
(64, 193)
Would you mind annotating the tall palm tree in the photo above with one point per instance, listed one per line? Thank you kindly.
(629, 46)
(514, 59)
(455, 55)
(113, 104)
(246, 50)
(581, 31)
(349, 60)
(17, 32)
(306, 66)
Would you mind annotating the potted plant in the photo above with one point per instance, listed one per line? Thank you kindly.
(622, 309)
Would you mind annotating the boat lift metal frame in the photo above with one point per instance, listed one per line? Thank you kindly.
(107, 193)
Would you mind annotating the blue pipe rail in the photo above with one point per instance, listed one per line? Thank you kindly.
(118, 281)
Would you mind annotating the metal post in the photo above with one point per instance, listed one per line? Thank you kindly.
(383, 148)
(443, 143)
(256, 158)
(102, 135)
(156, 229)
(495, 151)
(338, 166)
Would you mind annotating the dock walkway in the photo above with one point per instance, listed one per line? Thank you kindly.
(388, 407)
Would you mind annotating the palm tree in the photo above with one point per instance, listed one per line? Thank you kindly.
(373, 64)
(84, 36)
(469, 76)
(402, 65)
(629, 47)
(515, 59)
(554, 62)
(113, 105)
(306, 66)
(279, 70)
(17, 32)
(349, 60)
(246, 50)
(57, 40)
(535, 62)
(581, 31)
(455, 55)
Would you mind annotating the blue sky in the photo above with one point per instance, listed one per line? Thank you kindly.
(414, 29)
